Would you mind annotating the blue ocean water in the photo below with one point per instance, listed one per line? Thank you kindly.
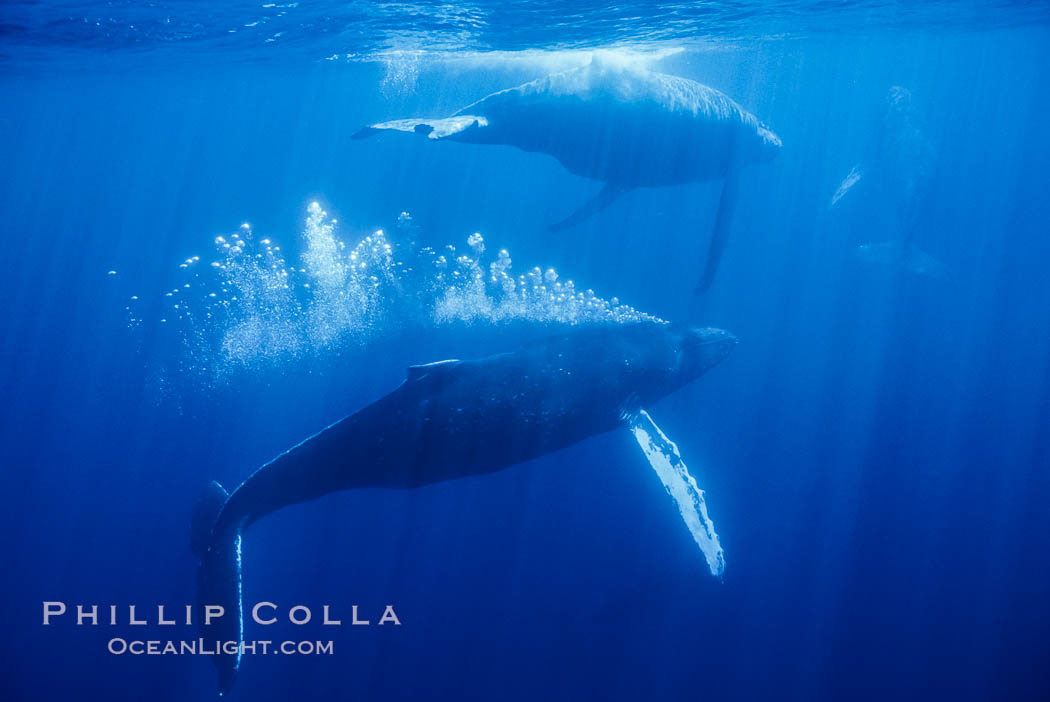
(875, 452)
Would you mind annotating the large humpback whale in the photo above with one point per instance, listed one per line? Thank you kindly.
(624, 126)
(453, 419)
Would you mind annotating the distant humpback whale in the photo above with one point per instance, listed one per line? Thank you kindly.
(626, 127)
(894, 178)
(449, 420)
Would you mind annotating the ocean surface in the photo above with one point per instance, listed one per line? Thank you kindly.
(201, 269)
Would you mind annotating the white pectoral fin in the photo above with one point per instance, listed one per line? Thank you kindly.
(422, 370)
(663, 456)
(432, 128)
(851, 179)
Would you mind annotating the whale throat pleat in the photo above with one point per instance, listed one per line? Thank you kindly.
(663, 456)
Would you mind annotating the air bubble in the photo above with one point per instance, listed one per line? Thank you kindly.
(339, 294)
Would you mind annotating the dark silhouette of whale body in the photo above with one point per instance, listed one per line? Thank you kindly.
(626, 127)
(449, 420)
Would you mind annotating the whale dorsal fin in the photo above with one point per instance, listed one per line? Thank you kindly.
(416, 372)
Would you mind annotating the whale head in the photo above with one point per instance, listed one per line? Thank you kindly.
(699, 349)
(643, 363)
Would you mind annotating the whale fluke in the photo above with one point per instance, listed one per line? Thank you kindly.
(219, 580)
(204, 515)
(605, 197)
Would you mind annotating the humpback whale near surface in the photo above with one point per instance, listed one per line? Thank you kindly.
(453, 419)
(624, 126)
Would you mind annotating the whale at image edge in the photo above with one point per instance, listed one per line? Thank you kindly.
(625, 126)
(448, 420)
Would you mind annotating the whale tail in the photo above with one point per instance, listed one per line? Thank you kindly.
(219, 583)
(720, 235)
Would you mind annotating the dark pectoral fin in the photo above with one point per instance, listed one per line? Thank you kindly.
(720, 235)
(608, 195)
(204, 517)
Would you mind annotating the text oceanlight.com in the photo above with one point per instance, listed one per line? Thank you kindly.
(201, 647)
